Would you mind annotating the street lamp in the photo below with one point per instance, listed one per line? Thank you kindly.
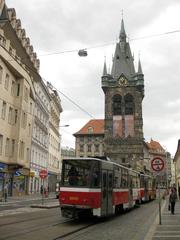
(66, 125)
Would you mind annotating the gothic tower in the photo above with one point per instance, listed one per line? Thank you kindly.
(124, 92)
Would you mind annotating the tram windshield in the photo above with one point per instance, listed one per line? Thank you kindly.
(81, 173)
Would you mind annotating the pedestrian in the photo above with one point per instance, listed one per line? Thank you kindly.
(42, 190)
(5, 192)
(172, 199)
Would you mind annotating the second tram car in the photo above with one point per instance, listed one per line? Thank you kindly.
(101, 188)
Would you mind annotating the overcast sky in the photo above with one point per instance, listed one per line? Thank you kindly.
(62, 25)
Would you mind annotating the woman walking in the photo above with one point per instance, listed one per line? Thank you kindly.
(172, 199)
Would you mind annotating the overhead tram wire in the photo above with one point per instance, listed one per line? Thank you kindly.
(96, 46)
(111, 43)
(104, 44)
(72, 101)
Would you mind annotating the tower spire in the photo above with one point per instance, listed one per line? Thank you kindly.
(105, 68)
(122, 35)
(139, 66)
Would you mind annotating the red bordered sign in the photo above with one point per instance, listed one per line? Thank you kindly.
(157, 164)
(43, 173)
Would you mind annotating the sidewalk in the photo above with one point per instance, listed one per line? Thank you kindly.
(36, 196)
(170, 224)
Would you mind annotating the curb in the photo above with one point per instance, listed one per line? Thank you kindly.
(152, 229)
(44, 206)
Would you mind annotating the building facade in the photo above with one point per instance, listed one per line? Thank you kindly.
(40, 135)
(124, 92)
(16, 102)
(177, 166)
(29, 113)
(54, 158)
(90, 139)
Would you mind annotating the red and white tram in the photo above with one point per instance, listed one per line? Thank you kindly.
(101, 187)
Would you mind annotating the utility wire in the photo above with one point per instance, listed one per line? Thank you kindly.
(72, 101)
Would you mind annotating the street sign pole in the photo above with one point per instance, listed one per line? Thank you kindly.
(158, 176)
(43, 192)
(157, 165)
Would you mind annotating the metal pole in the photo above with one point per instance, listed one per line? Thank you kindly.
(43, 193)
(159, 199)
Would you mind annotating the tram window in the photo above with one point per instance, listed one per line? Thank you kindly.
(110, 180)
(124, 178)
(83, 173)
(104, 179)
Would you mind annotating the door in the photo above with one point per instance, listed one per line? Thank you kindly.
(107, 191)
(130, 192)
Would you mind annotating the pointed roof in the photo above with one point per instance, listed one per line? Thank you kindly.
(122, 35)
(123, 61)
(139, 67)
(105, 68)
(94, 126)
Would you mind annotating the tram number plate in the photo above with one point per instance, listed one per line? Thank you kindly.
(73, 198)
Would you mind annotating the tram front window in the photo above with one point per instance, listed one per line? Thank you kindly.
(80, 173)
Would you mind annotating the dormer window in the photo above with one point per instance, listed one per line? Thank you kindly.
(90, 130)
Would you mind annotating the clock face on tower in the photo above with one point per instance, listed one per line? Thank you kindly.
(122, 80)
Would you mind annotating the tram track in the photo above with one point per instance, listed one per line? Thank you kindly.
(33, 229)
(25, 220)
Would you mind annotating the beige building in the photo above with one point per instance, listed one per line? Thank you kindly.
(29, 113)
(40, 146)
(177, 166)
(17, 100)
(54, 156)
(90, 139)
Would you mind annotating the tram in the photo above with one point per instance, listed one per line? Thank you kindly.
(101, 187)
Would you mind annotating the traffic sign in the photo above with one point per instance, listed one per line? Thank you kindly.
(157, 164)
(43, 173)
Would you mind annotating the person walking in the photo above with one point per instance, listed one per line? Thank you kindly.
(172, 199)
(5, 192)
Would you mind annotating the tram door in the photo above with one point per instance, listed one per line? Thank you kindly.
(107, 191)
(130, 191)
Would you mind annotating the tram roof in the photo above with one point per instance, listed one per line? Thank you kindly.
(105, 161)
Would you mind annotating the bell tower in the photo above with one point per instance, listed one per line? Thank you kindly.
(124, 92)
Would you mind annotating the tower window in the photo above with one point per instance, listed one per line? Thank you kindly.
(129, 104)
(117, 110)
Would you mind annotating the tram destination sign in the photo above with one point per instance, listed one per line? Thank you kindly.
(157, 164)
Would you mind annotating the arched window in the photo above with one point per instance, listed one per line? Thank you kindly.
(117, 100)
(129, 104)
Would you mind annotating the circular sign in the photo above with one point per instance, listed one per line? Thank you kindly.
(43, 173)
(157, 164)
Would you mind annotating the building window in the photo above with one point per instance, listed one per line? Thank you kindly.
(26, 94)
(6, 84)
(81, 139)
(29, 129)
(1, 74)
(117, 102)
(81, 148)
(24, 119)
(18, 89)
(12, 147)
(21, 150)
(7, 147)
(30, 107)
(97, 148)
(27, 154)
(13, 88)
(10, 115)
(3, 113)
(15, 116)
(89, 148)
(129, 104)
(89, 139)
(90, 129)
(1, 144)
